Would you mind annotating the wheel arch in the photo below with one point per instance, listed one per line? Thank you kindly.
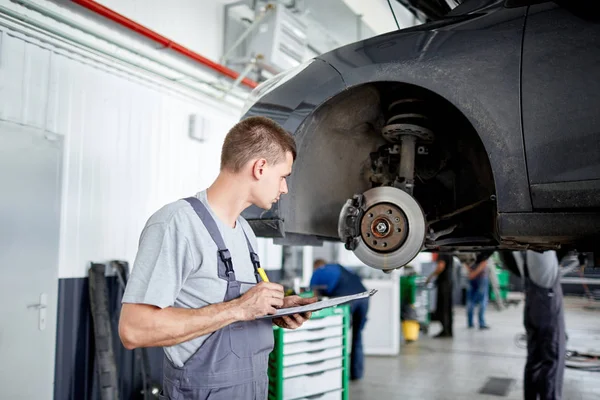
(343, 112)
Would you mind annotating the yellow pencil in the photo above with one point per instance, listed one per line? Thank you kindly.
(263, 274)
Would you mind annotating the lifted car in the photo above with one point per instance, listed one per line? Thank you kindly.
(476, 131)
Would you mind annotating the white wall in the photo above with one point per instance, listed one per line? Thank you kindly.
(195, 24)
(126, 146)
(127, 149)
(128, 153)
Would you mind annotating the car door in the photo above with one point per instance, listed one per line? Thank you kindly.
(560, 105)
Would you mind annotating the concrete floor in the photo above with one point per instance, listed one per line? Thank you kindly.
(457, 368)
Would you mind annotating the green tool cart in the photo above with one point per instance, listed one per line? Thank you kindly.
(503, 283)
(503, 276)
(408, 289)
(312, 362)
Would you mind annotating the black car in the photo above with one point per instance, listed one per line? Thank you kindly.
(479, 130)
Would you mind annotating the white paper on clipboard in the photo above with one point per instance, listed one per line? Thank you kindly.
(319, 305)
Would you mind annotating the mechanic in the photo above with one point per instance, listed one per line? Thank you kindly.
(545, 325)
(478, 290)
(195, 288)
(443, 309)
(334, 280)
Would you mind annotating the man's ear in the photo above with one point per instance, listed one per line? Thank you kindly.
(258, 168)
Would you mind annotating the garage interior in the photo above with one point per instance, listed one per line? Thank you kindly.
(110, 109)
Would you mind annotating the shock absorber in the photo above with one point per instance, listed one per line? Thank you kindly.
(406, 125)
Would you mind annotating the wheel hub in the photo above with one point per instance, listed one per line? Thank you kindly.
(384, 227)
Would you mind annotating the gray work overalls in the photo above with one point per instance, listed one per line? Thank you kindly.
(545, 325)
(232, 363)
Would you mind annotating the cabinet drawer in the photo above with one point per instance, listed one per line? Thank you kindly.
(312, 367)
(312, 384)
(317, 344)
(335, 395)
(321, 323)
(310, 356)
(312, 334)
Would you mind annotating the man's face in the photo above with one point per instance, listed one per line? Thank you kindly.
(272, 182)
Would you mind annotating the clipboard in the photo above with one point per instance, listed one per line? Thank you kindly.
(319, 305)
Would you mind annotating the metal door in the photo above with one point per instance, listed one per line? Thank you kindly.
(30, 192)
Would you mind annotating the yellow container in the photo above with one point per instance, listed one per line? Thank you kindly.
(410, 330)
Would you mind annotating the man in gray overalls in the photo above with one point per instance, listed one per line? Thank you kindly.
(195, 287)
(545, 325)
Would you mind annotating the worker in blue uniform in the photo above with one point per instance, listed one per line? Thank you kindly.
(334, 280)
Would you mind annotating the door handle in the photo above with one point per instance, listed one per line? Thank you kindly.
(37, 306)
(41, 307)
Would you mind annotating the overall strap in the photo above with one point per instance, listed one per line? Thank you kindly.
(214, 233)
(253, 256)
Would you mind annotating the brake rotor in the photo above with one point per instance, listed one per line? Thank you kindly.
(392, 229)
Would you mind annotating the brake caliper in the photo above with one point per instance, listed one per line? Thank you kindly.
(349, 222)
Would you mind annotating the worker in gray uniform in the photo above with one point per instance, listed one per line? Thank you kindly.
(545, 325)
(195, 287)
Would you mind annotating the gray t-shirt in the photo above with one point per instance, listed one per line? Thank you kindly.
(176, 264)
(542, 267)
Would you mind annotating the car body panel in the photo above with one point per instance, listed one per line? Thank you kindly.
(561, 125)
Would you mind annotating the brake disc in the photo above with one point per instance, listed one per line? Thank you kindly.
(392, 228)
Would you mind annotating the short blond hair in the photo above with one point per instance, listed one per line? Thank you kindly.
(256, 137)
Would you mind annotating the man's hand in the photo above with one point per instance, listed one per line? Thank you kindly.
(295, 320)
(262, 299)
